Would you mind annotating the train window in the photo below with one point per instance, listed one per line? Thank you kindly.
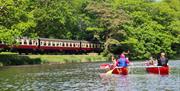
(33, 42)
(53, 44)
(60, 44)
(20, 43)
(42, 43)
(63, 44)
(57, 44)
(25, 42)
(70, 45)
(36, 43)
(74, 45)
(49, 44)
(82, 45)
(30, 42)
(87, 45)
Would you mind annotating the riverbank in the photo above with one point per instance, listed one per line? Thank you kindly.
(68, 58)
(15, 59)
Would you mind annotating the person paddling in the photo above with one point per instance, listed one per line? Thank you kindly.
(162, 60)
(123, 61)
(114, 62)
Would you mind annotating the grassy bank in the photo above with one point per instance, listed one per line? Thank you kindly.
(15, 59)
(68, 58)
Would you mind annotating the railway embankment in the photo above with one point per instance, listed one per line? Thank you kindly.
(15, 59)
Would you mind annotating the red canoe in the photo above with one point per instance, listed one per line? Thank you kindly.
(162, 70)
(120, 71)
(106, 66)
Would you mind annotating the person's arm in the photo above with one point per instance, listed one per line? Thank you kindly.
(117, 62)
(127, 60)
(166, 61)
(159, 62)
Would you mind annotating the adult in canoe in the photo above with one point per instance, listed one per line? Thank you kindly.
(162, 68)
(122, 64)
(162, 59)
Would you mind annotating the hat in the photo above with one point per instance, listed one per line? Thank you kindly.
(122, 56)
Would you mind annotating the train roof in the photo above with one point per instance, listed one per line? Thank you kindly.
(47, 39)
(64, 40)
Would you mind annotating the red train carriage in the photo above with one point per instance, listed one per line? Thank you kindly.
(3, 46)
(42, 45)
(25, 45)
(58, 45)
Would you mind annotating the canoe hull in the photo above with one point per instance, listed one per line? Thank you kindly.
(158, 70)
(106, 66)
(120, 71)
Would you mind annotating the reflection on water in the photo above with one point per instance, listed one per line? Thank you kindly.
(85, 77)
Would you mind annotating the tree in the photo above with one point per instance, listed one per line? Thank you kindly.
(14, 20)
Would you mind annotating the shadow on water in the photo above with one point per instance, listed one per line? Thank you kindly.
(14, 59)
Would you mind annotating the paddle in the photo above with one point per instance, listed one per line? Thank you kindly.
(110, 71)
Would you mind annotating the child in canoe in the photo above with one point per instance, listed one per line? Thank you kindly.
(151, 62)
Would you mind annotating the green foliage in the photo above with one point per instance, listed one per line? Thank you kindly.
(13, 59)
(14, 20)
(154, 25)
(146, 27)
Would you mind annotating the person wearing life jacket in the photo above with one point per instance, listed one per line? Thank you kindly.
(123, 61)
(162, 60)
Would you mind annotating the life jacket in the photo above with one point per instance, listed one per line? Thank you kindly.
(122, 62)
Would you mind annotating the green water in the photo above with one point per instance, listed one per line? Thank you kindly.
(85, 77)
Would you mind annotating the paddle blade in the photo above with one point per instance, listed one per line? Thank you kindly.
(109, 72)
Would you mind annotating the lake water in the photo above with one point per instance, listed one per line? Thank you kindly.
(85, 77)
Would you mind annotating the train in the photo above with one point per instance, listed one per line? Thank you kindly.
(46, 45)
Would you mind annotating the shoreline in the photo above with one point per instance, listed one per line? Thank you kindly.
(16, 60)
(19, 60)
